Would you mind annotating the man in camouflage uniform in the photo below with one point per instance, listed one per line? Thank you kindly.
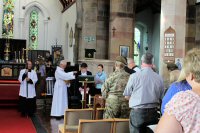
(112, 91)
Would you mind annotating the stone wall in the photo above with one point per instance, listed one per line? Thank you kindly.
(190, 27)
(92, 65)
(121, 31)
(94, 27)
(89, 27)
(102, 34)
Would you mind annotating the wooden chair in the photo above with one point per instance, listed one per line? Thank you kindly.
(96, 126)
(99, 113)
(121, 126)
(98, 103)
(71, 119)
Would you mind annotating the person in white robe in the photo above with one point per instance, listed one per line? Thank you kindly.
(60, 96)
(27, 94)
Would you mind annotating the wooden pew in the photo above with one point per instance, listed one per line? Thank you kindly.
(96, 126)
(71, 119)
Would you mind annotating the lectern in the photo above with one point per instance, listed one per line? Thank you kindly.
(85, 80)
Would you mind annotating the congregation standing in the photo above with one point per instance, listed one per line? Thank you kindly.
(130, 92)
(144, 90)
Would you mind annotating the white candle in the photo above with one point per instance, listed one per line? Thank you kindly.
(19, 54)
(89, 99)
(82, 94)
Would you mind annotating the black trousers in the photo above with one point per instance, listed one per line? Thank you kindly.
(141, 118)
(27, 106)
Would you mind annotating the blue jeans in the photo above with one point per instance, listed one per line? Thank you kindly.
(141, 118)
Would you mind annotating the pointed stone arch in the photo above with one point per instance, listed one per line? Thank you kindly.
(45, 15)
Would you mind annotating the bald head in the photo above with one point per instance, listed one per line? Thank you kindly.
(63, 64)
(131, 63)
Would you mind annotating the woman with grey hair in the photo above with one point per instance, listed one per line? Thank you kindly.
(182, 113)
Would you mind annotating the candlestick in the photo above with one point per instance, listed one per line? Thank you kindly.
(15, 55)
(19, 55)
(82, 94)
(23, 51)
(89, 99)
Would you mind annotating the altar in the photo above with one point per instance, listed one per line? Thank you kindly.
(12, 60)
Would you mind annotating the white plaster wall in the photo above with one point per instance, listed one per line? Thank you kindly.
(50, 29)
(68, 18)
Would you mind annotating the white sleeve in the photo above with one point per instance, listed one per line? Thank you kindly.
(20, 75)
(65, 76)
(34, 78)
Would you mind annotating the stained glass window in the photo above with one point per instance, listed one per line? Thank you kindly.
(8, 16)
(137, 44)
(33, 30)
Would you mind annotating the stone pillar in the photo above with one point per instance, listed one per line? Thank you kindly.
(45, 34)
(102, 29)
(190, 26)
(21, 26)
(173, 13)
(121, 29)
(197, 37)
(89, 26)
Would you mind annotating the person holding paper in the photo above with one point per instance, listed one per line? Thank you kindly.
(100, 78)
(60, 98)
(27, 95)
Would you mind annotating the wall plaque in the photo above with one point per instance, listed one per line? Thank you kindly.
(169, 45)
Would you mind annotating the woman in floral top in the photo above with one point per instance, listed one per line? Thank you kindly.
(182, 113)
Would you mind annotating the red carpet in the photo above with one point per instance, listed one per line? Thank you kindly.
(9, 92)
(12, 122)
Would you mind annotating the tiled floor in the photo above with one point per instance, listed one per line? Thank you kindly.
(49, 123)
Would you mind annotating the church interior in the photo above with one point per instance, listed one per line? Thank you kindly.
(85, 41)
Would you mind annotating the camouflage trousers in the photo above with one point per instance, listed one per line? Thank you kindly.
(116, 107)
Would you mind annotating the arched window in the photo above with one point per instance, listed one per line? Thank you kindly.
(137, 45)
(8, 16)
(33, 30)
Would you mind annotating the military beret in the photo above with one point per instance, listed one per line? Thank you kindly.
(121, 59)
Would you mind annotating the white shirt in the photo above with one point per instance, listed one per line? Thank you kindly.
(31, 87)
(145, 89)
(84, 74)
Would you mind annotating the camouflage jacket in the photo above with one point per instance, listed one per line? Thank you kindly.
(115, 84)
